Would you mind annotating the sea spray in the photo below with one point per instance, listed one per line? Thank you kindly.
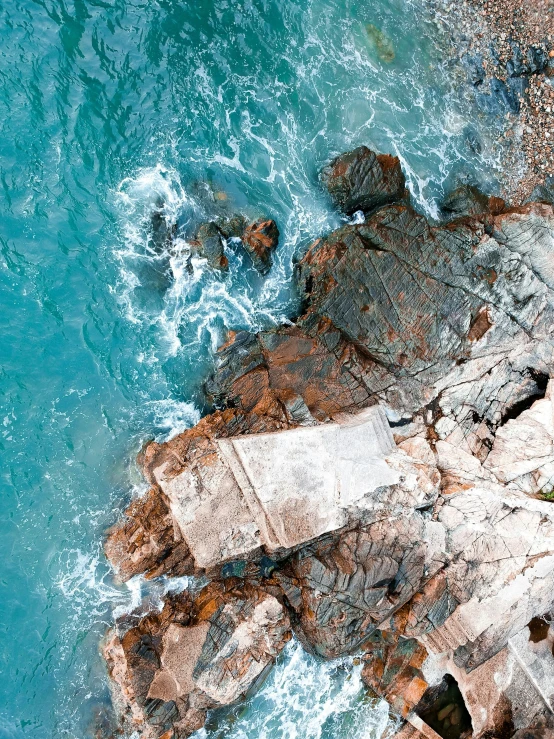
(307, 698)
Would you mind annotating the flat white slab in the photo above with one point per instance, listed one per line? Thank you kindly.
(279, 490)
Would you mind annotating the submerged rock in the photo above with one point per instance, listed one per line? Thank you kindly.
(211, 245)
(378, 474)
(381, 43)
(161, 231)
(364, 180)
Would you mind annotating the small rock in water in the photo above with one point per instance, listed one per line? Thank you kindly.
(211, 245)
(381, 43)
(161, 231)
(233, 227)
(259, 240)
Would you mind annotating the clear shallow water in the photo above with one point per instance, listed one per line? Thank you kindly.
(106, 107)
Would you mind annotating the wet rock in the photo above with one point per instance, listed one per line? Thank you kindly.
(466, 200)
(342, 589)
(473, 140)
(296, 371)
(211, 245)
(502, 98)
(232, 227)
(537, 59)
(363, 180)
(534, 61)
(161, 231)
(198, 653)
(238, 497)
(519, 87)
(260, 239)
(516, 66)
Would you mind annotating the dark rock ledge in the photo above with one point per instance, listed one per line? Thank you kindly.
(377, 479)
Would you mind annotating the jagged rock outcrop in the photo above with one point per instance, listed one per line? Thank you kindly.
(245, 496)
(211, 245)
(148, 539)
(198, 653)
(381, 470)
(259, 240)
(393, 670)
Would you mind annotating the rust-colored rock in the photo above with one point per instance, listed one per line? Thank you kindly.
(147, 539)
(260, 239)
(392, 669)
(311, 377)
(446, 331)
(198, 653)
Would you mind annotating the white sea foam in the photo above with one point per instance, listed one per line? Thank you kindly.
(306, 698)
(171, 417)
(85, 579)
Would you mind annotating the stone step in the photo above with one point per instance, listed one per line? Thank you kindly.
(451, 635)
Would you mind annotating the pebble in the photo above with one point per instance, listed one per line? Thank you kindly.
(527, 145)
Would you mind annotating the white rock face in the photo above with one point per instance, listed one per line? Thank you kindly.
(523, 450)
(280, 490)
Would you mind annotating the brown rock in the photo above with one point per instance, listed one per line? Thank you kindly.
(364, 180)
(211, 245)
(146, 541)
(392, 669)
(448, 329)
(342, 589)
(198, 653)
(260, 239)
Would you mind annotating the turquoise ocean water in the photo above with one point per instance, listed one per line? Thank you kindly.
(109, 108)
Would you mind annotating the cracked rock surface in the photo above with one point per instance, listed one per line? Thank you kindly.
(377, 477)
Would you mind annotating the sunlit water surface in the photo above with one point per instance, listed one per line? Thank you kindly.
(109, 108)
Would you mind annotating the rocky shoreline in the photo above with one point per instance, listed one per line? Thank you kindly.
(376, 479)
